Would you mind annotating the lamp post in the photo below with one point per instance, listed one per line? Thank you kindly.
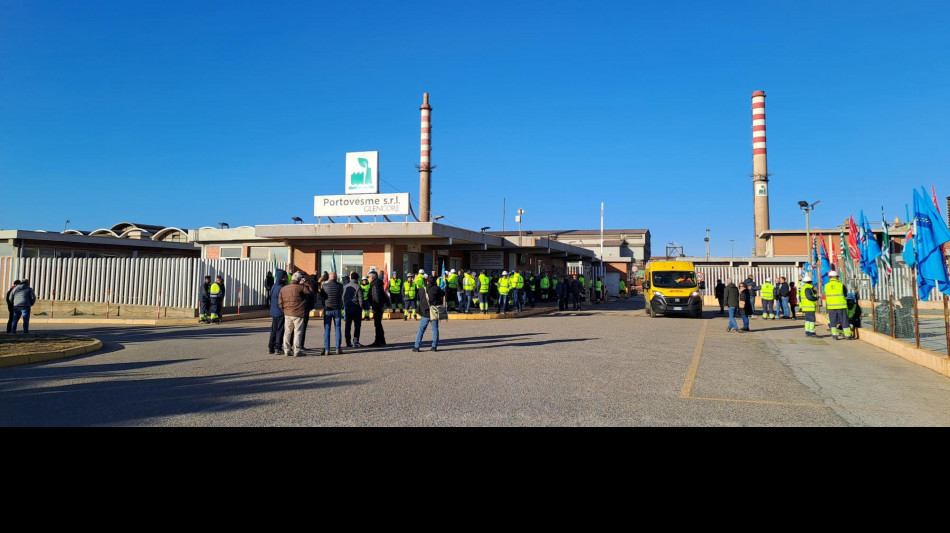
(808, 208)
(518, 220)
(732, 247)
(707, 244)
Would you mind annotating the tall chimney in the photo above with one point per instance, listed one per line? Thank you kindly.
(760, 173)
(425, 169)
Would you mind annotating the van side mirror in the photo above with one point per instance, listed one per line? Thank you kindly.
(702, 285)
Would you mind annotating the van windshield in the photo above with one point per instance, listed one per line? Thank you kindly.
(674, 280)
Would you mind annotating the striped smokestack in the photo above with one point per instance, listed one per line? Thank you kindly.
(760, 173)
(425, 169)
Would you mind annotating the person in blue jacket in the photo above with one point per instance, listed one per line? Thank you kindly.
(276, 340)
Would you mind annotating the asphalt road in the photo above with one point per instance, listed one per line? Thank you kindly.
(606, 366)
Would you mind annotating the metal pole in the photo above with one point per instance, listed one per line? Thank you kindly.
(916, 321)
(946, 323)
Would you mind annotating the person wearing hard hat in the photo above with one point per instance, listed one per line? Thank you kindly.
(483, 287)
(395, 291)
(808, 301)
(504, 287)
(452, 291)
(767, 292)
(837, 304)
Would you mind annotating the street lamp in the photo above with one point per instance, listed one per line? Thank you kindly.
(808, 208)
(486, 228)
(223, 225)
(732, 247)
(297, 220)
(437, 217)
(518, 220)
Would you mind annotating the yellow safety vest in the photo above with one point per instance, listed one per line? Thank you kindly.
(545, 283)
(468, 283)
(452, 280)
(504, 285)
(484, 283)
(834, 295)
(410, 289)
(419, 282)
(599, 285)
(517, 281)
(215, 288)
(395, 285)
(768, 291)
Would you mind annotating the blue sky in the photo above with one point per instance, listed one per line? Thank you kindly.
(187, 114)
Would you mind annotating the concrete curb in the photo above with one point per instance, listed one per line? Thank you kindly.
(22, 359)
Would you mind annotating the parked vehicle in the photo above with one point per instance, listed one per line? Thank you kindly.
(671, 287)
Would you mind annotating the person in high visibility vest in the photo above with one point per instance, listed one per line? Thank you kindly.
(395, 291)
(204, 302)
(767, 293)
(837, 304)
(808, 301)
(599, 289)
(452, 291)
(554, 282)
(409, 290)
(623, 289)
(516, 288)
(483, 287)
(545, 283)
(420, 282)
(364, 284)
(504, 287)
(532, 289)
(217, 298)
(468, 291)
(580, 279)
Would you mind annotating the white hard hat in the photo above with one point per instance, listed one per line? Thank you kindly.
(806, 277)
(768, 280)
(504, 272)
(452, 271)
(833, 273)
(422, 271)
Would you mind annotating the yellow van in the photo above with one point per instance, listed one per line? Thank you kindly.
(670, 287)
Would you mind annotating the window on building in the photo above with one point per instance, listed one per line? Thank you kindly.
(270, 253)
(346, 261)
(230, 252)
(6, 249)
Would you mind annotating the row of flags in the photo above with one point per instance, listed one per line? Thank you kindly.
(924, 248)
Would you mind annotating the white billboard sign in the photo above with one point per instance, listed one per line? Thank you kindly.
(487, 260)
(362, 173)
(342, 205)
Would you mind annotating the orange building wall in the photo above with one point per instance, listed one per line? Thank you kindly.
(213, 252)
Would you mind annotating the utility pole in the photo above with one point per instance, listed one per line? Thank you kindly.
(707, 244)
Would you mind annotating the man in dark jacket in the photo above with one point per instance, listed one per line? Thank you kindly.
(433, 296)
(753, 290)
(204, 301)
(731, 298)
(781, 298)
(23, 299)
(720, 295)
(276, 341)
(378, 299)
(332, 293)
(10, 306)
(352, 309)
(268, 285)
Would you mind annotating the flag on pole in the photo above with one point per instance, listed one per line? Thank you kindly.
(823, 258)
(385, 277)
(854, 248)
(886, 249)
(930, 234)
(870, 250)
(333, 262)
(933, 196)
(845, 257)
(442, 277)
(908, 254)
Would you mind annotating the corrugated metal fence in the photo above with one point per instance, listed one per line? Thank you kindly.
(169, 282)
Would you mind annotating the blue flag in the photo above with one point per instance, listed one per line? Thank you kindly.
(333, 261)
(929, 234)
(870, 250)
(442, 277)
(825, 263)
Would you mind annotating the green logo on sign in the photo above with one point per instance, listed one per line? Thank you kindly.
(362, 178)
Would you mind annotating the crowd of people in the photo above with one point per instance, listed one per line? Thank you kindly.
(347, 303)
(781, 299)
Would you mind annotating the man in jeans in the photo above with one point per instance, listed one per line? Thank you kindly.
(332, 293)
(782, 290)
(22, 298)
(353, 309)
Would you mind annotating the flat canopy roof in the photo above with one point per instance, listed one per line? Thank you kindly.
(428, 233)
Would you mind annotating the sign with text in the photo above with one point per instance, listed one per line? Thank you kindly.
(362, 173)
(363, 205)
(488, 260)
